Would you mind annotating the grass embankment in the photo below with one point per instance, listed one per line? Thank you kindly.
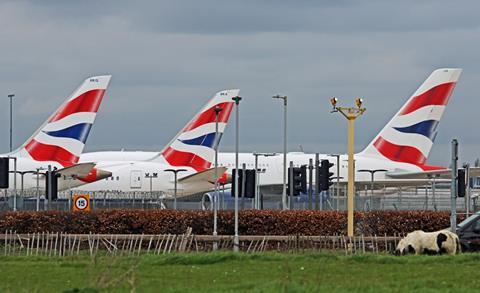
(270, 272)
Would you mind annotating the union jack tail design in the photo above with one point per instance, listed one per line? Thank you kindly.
(62, 137)
(195, 145)
(409, 136)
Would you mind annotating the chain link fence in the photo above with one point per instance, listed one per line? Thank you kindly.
(420, 199)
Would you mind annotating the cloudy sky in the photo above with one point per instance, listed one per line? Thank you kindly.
(168, 58)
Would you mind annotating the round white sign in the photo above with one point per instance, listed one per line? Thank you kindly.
(81, 203)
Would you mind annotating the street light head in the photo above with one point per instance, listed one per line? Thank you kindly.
(237, 99)
(218, 109)
(175, 170)
(279, 97)
(264, 154)
(333, 101)
(359, 102)
(11, 95)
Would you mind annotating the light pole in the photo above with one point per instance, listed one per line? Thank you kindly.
(454, 187)
(257, 176)
(338, 178)
(175, 174)
(69, 179)
(38, 186)
(148, 176)
(433, 177)
(215, 197)
(22, 174)
(466, 166)
(236, 239)
(10, 96)
(284, 190)
(351, 113)
(372, 179)
(372, 174)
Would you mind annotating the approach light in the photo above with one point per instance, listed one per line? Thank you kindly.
(359, 102)
(334, 101)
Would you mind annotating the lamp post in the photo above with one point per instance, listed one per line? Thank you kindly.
(257, 176)
(372, 174)
(10, 96)
(454, 187)
(151, 176)
(69, 178)
(21, 182)
(236, 239)
(175, 174)
(433, 177)
(372, 179)
(38, 186)
(338, 178)
(466, 166)
(350, 113)
(284, 190)
(22, 174)
(215, 197)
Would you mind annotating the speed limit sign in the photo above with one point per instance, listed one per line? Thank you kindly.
(81, 203)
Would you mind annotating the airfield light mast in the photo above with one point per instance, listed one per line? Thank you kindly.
(351, 113)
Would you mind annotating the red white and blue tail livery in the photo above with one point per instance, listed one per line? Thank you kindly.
(409, 136)
(60, 141)
(194, 146)
(192, 149)
(63, 136)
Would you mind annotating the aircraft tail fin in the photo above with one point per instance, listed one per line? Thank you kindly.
(194, 146)
(63, 136)
(410, 134)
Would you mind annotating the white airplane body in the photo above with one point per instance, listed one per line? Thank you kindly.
(401, 148)
(271, 169)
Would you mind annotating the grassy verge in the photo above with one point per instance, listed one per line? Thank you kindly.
(269, 272)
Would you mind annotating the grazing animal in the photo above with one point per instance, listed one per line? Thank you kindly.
(419, 242)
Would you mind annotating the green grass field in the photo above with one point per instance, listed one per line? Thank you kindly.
(270, 272)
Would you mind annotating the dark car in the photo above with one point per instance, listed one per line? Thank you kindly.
(469, 233)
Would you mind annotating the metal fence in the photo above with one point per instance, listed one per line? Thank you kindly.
(418, 199)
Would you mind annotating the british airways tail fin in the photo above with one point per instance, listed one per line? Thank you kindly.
(409, 136)
(63, 136)
(194, 146)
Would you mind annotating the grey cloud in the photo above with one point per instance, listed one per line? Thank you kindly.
(227, 17)
(168, 58)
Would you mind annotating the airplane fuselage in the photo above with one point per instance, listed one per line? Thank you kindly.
(133, 174)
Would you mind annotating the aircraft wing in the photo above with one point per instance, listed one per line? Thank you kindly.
(78, 170)
(199, 182)
(441, 174)
(80, 174)
(206, 175)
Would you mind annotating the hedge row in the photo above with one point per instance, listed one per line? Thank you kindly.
(252, 222)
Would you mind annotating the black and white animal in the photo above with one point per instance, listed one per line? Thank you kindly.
(419, 242)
